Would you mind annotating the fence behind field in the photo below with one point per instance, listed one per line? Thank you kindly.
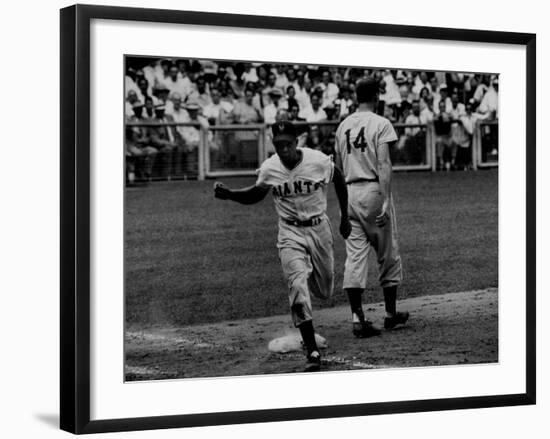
(486, 144)
(238, 150)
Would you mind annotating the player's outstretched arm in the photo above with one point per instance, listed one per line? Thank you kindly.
(247, 195)
(384, 174)
(342, 194)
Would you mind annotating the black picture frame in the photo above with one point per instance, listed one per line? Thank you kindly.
(75, 217)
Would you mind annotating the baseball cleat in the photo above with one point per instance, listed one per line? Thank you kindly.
(398, 319)
(365, 329)
(313, 363)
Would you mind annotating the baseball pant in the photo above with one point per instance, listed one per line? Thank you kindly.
(307, 259)
(365, 204)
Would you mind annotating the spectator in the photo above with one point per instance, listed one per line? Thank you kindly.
(238, 87)
(218, 111)
(192, 137)
(149, 109)
(311, 93)
(249, 74)
(293, 114)
(442, 126)
(145, 90)
(314, 113)
(245, 112)
(291, 97)
(470, 86)
(270, 110)
(131, 99)
(257, 98)
(263, 73)
(391, 95)
(266, 88)
(421, 81)
(244, 141)
(209, 70)
(161, 92)
(271, 83)
(140, 155)
(425, 98)
(302, 130)
(415, 117)
(344, 103)
(177, 84)
(179, 115)
(457, 108)
(281, 80)
(150, 72)
(229, 97)
(163, 139)
(332, 113)
(161, 75)
(405, 93)
(434, 87)
(281, 115)
(315, 139)
(412, 147)
(302, 94)
(489, 104)
(182, 65)
(130, 81)
(329, 89)
(464, 154)
(201, 94)
(327, 132)
(455, 82)
(459, 136)
(442, 96)
(482, 87)
(426, 114)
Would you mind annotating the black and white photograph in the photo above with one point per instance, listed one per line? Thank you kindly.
(288, 218)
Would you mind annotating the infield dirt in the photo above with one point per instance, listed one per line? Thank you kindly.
(447, 329)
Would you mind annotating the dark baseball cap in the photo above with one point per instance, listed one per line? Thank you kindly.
(283, 130)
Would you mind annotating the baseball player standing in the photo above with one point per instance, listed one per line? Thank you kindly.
(298, 179)
(362, 147)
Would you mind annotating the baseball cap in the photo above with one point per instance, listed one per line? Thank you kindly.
(192, 106)
(283, 130)
(161, 87)
(275, 92)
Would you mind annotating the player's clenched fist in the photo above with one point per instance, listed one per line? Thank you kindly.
(221, 191)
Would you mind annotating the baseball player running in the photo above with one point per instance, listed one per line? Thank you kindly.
(298, 179)
(362, 147)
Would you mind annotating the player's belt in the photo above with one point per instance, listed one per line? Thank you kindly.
(307, 223)
(365, 180)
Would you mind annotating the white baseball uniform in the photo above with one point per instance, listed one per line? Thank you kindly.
(357, 140)
(305, 251)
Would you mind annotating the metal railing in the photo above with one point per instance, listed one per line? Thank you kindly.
(238, 150)
(234, 150)
(485, 143)
(413, 152)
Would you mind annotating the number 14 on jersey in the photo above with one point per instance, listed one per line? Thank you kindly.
(358, 142)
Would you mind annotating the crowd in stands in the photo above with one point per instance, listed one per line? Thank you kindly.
(219, 93)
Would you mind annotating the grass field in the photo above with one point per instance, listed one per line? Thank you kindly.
(190, 258)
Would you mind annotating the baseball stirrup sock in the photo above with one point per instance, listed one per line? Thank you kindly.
(390, 297)
(355, 299)
(308, 336)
